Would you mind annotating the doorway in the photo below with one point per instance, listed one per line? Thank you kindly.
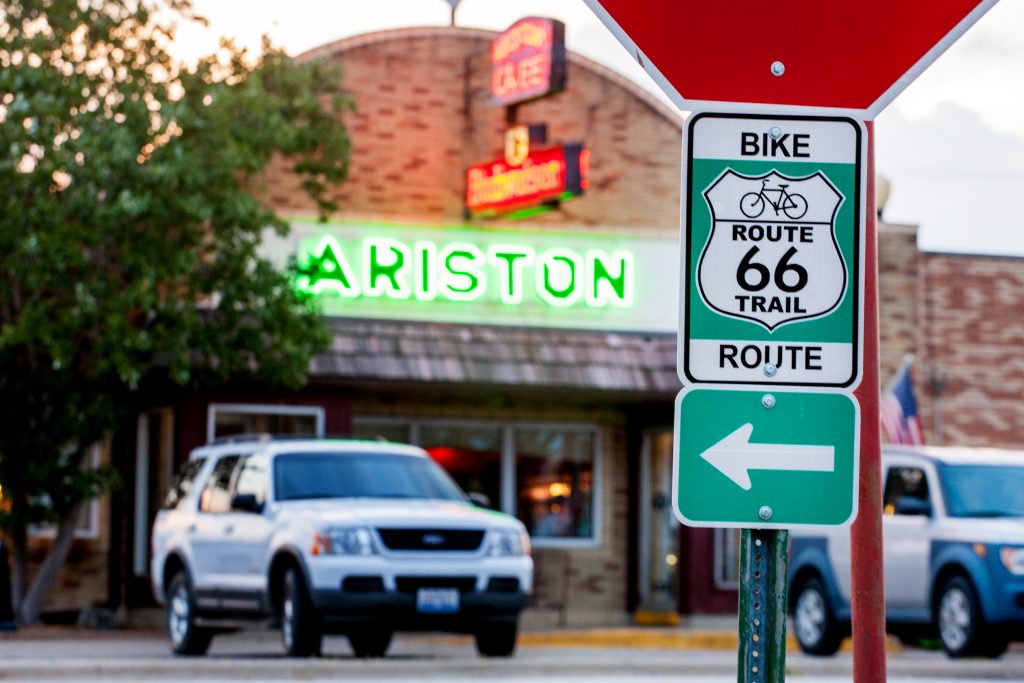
(659, 533)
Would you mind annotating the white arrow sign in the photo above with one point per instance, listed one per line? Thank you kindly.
(734, 456)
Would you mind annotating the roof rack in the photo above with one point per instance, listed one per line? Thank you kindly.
(268, 437)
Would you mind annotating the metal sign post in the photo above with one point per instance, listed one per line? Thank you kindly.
(762, 628)
(867, 598)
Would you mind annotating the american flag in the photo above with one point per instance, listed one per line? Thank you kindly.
(898, 409)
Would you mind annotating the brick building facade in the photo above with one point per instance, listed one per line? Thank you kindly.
(599, 399)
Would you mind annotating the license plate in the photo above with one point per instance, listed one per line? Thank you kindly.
(437, 600)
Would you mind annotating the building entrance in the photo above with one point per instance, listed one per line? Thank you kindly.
(659, 531)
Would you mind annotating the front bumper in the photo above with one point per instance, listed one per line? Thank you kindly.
(382, 591)
(341, 611)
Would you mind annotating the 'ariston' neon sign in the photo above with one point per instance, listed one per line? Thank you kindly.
(460, 271)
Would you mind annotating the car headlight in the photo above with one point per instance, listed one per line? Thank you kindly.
(508, 543)
(1013, 559)
(343, 541)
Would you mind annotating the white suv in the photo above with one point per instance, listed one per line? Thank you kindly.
(361, 538)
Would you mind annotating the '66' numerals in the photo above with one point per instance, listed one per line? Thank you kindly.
(754, 277)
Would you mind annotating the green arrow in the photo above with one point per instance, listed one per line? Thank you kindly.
(734, 456)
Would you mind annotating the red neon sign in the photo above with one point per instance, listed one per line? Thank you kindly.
(528, 60)
(544, 176)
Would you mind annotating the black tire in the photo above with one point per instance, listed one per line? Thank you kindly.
(995, 645)
(817, 630)
(370, 642)
(497, 638)
(186, 638)
(961, 625)
(300, 626)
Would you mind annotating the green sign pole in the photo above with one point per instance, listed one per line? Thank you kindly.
(762, 614)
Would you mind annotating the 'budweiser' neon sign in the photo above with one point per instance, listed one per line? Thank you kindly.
(545, 175)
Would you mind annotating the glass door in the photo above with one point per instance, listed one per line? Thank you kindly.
(659, 530)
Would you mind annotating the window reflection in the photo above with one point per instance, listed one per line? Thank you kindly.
(555, 475)
(471, 455)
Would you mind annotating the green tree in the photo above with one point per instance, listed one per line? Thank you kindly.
(129, 235)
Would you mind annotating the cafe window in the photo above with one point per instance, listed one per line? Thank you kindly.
(470, 454)
(87, 526)
(555, 482)
(225, 419)
(547, 475)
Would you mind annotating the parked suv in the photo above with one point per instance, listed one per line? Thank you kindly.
(953, 530)
(360, 538)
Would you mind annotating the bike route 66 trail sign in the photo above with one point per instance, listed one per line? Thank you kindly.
(772, 250)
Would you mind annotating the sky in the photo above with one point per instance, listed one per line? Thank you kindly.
(952, 144)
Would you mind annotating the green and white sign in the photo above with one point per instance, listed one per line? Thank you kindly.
(772, 251)
(745, 458)
(625, 281)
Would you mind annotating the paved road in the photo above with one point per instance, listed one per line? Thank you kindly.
(255, 658)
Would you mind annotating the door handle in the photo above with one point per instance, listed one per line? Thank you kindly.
(191, 528)
(229, 529)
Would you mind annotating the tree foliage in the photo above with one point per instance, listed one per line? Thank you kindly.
(129, 233)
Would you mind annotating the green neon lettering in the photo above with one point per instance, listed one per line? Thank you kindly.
(329, 271)
(461, 277)
(510, 261)
(425, 270)
(604, 287)
(557, 271)
(388, 260)
(426, 279)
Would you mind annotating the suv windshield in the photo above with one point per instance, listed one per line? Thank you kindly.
(984, 491)
(305, 476)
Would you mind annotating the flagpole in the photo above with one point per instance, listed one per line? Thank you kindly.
(908, 360)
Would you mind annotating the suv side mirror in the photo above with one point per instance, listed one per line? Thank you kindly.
(481, 500)
(909, 505)
(246, 502)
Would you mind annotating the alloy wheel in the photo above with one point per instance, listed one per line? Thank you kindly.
(288, 622)
(179, 615)
(809, 617)
(955, 618)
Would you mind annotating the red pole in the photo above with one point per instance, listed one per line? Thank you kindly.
(867, 585)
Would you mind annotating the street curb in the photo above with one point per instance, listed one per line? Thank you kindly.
(657, 639)
(660, 639)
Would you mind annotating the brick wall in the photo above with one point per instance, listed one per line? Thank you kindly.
(424, 114)
(962, 316)
(971, 378)
(898, 296)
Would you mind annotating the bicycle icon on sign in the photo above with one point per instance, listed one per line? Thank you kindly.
(753, 204)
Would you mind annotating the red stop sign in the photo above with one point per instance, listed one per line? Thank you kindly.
(839, 54)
